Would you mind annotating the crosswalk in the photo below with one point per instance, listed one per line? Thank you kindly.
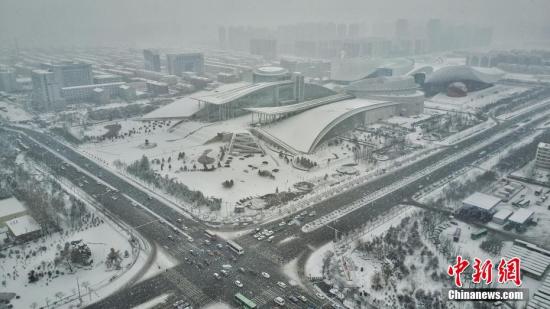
(194, 294)
(266, 297)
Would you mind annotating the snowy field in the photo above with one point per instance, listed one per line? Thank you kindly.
(195, 139)
(96, 281)
(59, 285)
(12, 112)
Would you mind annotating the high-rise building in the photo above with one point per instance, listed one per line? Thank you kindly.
(8, 83)
(46, 91)
(543, 156)
(434, 33)
(401, 28)
(70, 74)
(222, 37)
(266, 48)
(152, 60)
(188, 62)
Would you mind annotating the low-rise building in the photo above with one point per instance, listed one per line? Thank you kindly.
(481, 201)
(87, 92)
(107, 79)
(23, 228)
(157, 88)
(521, 217)
(501, 216)
(10, 208)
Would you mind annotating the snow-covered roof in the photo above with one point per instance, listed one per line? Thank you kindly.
(481, 200)
(462, 72)
(11, 206)
(22, 225)
(223, 97)
(292, 108)
(534, 259)
(544, 145)
(187, 106)
(521, 216)
(94, 86)
(502, 214)
(304, 131)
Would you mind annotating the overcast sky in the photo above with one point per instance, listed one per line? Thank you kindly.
(174, 22)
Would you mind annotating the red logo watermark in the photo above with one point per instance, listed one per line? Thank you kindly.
(508, 270)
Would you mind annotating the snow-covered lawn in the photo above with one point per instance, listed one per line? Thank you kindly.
(96, 281)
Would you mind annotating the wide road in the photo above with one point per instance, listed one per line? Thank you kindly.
(193, 279)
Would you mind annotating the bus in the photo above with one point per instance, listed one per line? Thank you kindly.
(245, 302)
(211, 235)
(235, 247)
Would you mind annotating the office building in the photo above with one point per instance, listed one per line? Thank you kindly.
(70, 74)
(152, 60)
(266, 48)
(188, 62)
(8, 83)
(157, 88)
(401, 29)
(107, 79)
(89, 92)
(542, 159)
(222, 37)
(46, 91)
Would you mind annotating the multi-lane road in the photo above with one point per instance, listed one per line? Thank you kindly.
(193, 278)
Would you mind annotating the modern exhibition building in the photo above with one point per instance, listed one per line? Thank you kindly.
(473, 79)
(298, 116)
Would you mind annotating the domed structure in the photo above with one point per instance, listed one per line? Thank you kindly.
(270, 74)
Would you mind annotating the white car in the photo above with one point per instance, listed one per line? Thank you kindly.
(265, 275)
(279, 301)
(262, 237)
(238, 283)
(281, 284)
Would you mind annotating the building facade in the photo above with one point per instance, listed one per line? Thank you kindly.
(8, 83)
(89, 93)
(70, 74)
(543, 156)
(177, 64)
(46, 91)
(152, 60)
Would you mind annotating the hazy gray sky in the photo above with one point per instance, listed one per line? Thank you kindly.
(171, 22)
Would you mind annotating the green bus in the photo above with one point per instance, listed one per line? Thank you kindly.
(245, 302)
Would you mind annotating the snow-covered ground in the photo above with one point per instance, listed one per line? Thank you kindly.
(194, 138)
(96, 281)
(13, 112)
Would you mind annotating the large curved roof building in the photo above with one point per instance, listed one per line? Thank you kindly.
(304, 132)
(473, 78)
(401, 89)
(351, 69)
